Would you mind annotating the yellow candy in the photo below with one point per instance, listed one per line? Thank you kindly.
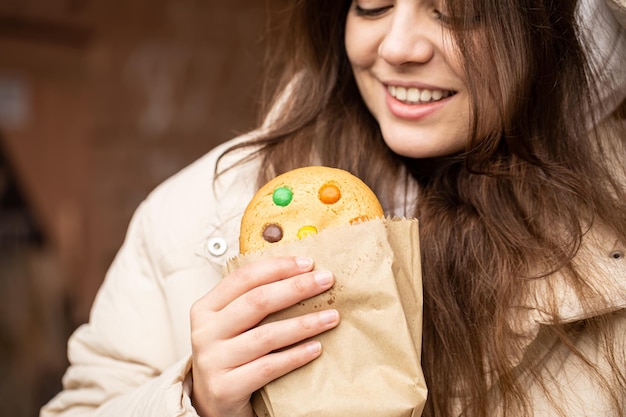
(306, 231)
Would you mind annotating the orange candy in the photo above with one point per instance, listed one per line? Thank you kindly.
(329, 194)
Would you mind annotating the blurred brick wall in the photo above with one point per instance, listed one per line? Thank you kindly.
(172, 79)
(121, 95)
(103, 100)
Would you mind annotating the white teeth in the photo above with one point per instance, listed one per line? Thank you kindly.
(401, 93)
(413, 94)
(416, 95)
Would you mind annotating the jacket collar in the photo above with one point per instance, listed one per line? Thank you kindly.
(601, 263)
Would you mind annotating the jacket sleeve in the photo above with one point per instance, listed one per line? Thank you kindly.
(121, 361)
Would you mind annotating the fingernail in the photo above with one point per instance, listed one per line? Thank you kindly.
(329, 316)
(314, 347)
(323, 278)
(304, 263)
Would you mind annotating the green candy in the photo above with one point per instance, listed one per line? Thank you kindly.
(282, 196)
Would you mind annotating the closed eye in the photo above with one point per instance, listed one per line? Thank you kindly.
(374, 12)
(467, 23)
(441, 17)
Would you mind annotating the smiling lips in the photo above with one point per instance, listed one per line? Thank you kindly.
(412, 103)
(414, 95)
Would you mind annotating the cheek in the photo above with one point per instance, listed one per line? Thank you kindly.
(352, 45)
(360, 45)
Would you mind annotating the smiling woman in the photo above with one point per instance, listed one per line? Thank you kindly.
(410, 75)
(498, 124)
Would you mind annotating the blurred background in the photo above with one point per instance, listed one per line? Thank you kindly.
(100, 100)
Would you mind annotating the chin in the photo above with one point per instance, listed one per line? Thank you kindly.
(419, 150)
(420, 145)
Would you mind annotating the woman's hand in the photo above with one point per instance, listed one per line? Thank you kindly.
(231, 357)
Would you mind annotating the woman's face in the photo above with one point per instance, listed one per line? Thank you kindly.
(410, 75)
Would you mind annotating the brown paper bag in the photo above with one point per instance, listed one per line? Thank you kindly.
(370, 363)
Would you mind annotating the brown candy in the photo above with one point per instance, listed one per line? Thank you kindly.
(272, 233)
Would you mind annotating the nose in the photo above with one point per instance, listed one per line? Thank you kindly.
(408, 39)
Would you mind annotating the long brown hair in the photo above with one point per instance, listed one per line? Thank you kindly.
(510, 210)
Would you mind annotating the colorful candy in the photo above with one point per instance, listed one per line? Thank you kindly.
(272, 233)
(282, 196)
(329, 193)
(306, 231)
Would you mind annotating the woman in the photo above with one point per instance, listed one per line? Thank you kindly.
(500, 125)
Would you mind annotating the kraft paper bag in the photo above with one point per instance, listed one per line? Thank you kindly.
(370, 363)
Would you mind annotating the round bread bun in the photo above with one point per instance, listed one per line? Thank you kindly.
(302, 202)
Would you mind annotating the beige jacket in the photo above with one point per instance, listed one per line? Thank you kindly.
(133, 357)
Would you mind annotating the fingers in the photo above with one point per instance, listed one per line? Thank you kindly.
(232, 356)
(252, 307)
(253, 275)
(273, 336)
(228, 372)
(230, 395)
(256, 374)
